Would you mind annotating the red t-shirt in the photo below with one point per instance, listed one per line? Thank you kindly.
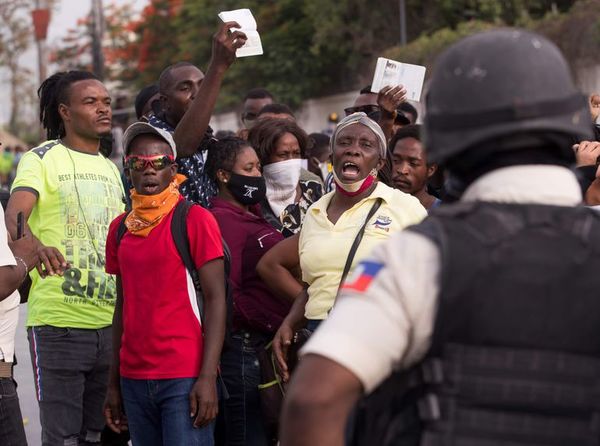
(162, 337)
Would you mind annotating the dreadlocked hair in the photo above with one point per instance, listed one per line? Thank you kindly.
(53, 92)
(222, 154)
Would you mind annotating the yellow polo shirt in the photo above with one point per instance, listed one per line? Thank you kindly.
(324, 247)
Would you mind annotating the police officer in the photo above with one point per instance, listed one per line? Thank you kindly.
(491, 302)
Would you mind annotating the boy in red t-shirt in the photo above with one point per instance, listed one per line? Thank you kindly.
(165, 358)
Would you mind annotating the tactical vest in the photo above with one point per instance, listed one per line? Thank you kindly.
(515, 355)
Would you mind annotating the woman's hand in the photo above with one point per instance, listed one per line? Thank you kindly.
(281, 342)
(285, 335)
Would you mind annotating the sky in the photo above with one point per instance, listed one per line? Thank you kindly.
(63, 17)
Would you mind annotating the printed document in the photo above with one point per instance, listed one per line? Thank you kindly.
(391, 73)
(253, 46)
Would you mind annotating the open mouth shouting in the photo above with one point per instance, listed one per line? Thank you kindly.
(350, 172)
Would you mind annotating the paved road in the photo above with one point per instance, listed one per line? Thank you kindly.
(24, 376)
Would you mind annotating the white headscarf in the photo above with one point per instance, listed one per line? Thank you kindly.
(361, 118)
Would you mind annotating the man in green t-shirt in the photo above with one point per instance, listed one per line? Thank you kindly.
(69, 193)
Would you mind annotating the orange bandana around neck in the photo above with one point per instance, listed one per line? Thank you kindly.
(148, 210)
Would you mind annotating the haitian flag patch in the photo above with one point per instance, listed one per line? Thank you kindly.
(362, 276)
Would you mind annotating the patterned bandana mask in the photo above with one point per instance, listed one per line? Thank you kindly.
(148, 210)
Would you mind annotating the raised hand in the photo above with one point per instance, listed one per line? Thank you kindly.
(225, 44)
(390, 98)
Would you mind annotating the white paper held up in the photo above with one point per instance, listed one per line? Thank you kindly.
(391, 73)
(253, 46)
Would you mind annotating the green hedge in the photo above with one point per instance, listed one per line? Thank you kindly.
(576, 32)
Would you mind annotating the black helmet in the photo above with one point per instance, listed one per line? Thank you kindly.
(497, 84)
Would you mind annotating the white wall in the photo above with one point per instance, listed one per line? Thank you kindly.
(225, 121)
(312, 116)
(588, 79)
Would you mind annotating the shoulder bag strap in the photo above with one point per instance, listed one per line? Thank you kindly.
(357, 240)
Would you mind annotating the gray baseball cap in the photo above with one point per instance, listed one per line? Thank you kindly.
(143, 128)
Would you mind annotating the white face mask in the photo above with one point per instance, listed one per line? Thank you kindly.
(282, 180)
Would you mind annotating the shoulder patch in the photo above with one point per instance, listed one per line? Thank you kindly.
(362, 276)
(42, 150)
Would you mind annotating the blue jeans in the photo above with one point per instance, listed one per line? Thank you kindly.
(71, 374)
(241, 375)
(313, 324)
(12, 432)
(158, 413)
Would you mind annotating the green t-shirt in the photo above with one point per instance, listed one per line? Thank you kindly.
(78, 196)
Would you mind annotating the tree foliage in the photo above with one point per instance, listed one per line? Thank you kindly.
(288, 67)
(15, 39)
(575, 30)
(74, 50)
(311, 47)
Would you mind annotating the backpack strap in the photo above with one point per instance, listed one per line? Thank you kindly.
(122, 229)
(180, 238)
(226, 258)
(182, 243)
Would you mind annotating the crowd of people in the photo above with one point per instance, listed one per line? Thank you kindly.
(443, 274)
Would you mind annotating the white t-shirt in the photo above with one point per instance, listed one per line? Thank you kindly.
(9, 307)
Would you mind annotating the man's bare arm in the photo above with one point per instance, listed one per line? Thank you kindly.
(191, 129)
(320, 397)
(50, 257)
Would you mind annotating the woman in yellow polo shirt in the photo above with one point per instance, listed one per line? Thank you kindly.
(330, 227)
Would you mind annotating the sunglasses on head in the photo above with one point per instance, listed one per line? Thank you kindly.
(367, 109)
(157, 162)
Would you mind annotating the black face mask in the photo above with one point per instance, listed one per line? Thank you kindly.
(246, 189)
